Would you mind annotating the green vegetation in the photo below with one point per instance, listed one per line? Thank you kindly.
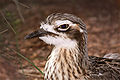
(13, 22)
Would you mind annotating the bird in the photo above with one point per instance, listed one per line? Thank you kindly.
(69, 58)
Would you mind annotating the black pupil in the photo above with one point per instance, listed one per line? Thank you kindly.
(64, 26)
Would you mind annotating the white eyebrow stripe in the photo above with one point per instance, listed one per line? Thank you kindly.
(48, 27)
(60, 22)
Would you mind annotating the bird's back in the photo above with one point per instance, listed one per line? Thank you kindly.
(104, 69)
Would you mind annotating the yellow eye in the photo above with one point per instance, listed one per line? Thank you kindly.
(63, 27)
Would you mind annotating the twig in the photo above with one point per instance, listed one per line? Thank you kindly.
(33, 75)
(23, 5)
(29, 71)
(7, 22)
(18, 9)
(4, 31)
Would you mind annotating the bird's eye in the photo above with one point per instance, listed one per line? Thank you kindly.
(63, 27)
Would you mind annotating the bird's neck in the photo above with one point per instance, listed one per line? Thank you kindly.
(65, 63)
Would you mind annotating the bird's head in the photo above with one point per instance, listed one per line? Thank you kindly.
(64, 30)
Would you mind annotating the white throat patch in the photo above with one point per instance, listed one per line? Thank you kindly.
(59, 41)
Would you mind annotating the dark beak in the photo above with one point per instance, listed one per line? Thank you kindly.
(38, 33)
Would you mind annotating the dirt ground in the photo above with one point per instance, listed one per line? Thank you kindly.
(102, 19)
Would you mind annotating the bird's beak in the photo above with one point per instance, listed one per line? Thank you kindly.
(38, 33)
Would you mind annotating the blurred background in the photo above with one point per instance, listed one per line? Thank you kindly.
(20, 17)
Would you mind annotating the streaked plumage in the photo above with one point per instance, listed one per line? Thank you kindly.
(69, 58)
(112, 56)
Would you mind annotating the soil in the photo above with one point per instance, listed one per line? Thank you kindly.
(102, 19)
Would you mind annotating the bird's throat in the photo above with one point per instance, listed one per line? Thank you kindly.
(66, 63)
